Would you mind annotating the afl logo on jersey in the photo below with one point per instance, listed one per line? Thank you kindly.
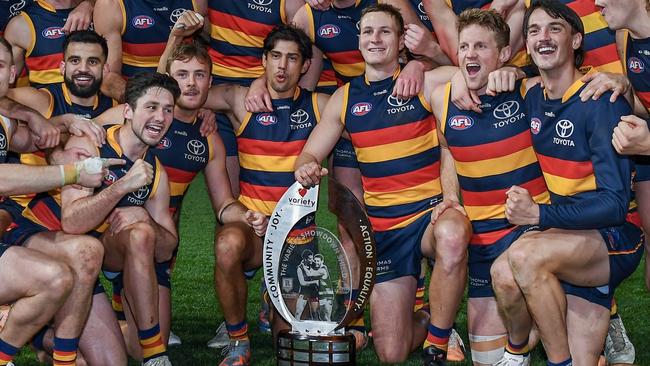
(266, 119)
(635, 65)
(361, 109)
(143, 22)
(53, 32)
(110, 178)
(461, 123)
(164, 144)
(329, 31)
(535, 126)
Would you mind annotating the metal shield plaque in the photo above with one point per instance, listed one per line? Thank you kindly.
(310, 276)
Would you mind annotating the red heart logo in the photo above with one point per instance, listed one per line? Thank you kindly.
(302, 191)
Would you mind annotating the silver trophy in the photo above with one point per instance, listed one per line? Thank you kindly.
(315, 284)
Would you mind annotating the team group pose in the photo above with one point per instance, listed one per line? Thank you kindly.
(498, 147)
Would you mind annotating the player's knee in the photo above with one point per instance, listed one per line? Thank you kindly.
(56, 281)
(142, 239)
(487, 350)
(396, 353)
(87, 255)
(503, 282)
(229, 246)
(525, 264)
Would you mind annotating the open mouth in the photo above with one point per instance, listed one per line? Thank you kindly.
(472, 68)
(191, 93)
(546, 49)
(83, 79)
(376, 50)
(153, 128)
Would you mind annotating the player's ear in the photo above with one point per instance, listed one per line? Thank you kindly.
(128, 111)
(504, 54)
(62, 67)
(305, 66)
(576, 41)
(12, 74)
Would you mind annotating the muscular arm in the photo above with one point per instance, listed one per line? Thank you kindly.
(163, 223)
(229, 99)
(310, 79)
(12, 109)
(326, 133)
(226, 208)
(81, 210)
(108, 22)
(448, 175)
(19, 35)
(608, 204)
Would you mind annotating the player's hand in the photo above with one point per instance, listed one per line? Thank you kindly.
(121, 217)
(309, 174)
(79, 18)
(188, 23)
(319, 4)
(45, 134)
(502, 80)
(462, 97)
(68, 156)
(258, 98)
(91, 171)
(520, 207)
(140, 175)
(410, 81)
(445, 205)
(81, 126)
(258, 221)
(209, 122)
(503, 7)
(419, 40)
(631, 136)
(601, 82)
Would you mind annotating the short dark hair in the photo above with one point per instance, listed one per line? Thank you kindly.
(138, 85)
(187, 51)
(388, 9)
(290, 33)
(558, 10)
(488, 19)
(86, 36)
(6, 45)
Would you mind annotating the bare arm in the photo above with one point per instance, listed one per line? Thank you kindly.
(81, 210)
(310, 79)
(226, 208)
(112, 116)
(186, 25)
(444, 21)
(321, 141)
(229, 99)
(108, 22)
(163, 223)
(19, 35)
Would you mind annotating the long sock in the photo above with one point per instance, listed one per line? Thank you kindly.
(613, 312)
(37, 340)
(116, 299)
(65, 351)
(437, 337)
(419, 295)
(7, 352)
(518, 349)
(238, 332)
(568, 362)
(151, 343)
(357, 323)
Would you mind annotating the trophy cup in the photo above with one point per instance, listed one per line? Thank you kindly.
(310, 277)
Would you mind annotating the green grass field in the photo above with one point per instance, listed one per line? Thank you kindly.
(196, 313)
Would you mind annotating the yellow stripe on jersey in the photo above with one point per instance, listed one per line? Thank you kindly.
(311, 32)
(349, 70)
(45, 76)
(32, 30)
(567, 186)
(500, 165)
(406, 223)
(142, 61)
(445, 108)
(156, 180)
(265, 207)
(237, 72)
(344, 105)
(593, 22)
(498, 211)
(402, 196)
(397, 150)
(236, 38)
(263, 162)
(177, 189)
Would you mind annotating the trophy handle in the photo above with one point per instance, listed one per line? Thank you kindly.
(352, 216)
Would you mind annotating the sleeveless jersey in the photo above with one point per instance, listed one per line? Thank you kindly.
(183, 152)
(336, 33)
(43, 57)
(589, 183)
(397, 149)
(237, 33)
(146, 25)
(458, 6)
(492, 151)
(111, 149)
(269, 144)
(60, 103)
(637, 66)
(422, 14)
(8, 10)
(5, 138)
(599, 41)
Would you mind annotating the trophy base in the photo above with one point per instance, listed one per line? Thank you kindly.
(295, 349)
